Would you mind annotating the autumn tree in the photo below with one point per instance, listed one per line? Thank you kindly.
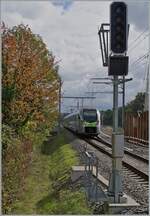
(30, 78)
(30, 85)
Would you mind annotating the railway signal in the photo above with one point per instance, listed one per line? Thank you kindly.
(118, 27)
(118, 65)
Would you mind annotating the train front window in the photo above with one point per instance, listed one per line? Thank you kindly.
(90, 116)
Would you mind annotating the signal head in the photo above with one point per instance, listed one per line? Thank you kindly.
(118, 27)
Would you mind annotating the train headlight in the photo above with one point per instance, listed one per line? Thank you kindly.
(85, 124)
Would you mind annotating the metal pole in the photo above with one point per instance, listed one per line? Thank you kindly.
(115, 182)
(115, 104)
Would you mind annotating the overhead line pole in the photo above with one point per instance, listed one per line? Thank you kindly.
(117, 66)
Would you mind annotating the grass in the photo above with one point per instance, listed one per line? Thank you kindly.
(47, 188)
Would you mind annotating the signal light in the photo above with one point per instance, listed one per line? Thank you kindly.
(118, 27)
(118, 65)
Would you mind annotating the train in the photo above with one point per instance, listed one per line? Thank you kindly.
(84, 122)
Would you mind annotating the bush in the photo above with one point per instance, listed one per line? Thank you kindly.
(62, 199)
(15, 159)
(30, 84)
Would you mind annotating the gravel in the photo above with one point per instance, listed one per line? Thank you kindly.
(138, 149)
(131, 186)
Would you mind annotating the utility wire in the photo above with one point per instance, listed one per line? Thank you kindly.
(136, 65)
(141, 58)
(137, 38)
(132, 60)
(133, 47)
(137, 68)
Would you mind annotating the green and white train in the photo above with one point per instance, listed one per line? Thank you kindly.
(85, 121)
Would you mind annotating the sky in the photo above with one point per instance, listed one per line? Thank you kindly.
(70, 30)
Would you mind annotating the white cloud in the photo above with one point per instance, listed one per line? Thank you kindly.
(72, 37)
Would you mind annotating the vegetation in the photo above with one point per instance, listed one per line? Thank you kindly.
(35, 172)
(48, 187)
(137, 104)
(133, 107)
(30, 79)
(30, 84)
(107, 117)
(15, 156)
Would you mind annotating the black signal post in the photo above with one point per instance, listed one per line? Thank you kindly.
(117, 66)
(118, 61)
(114, 57)
(118, 27)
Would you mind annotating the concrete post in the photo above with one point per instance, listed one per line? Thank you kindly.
(115, 182)
(115, 104)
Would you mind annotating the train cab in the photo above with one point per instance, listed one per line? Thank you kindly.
(84, 122)
(91, 121)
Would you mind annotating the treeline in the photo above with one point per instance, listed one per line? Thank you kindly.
(132, 107)
(30, 83)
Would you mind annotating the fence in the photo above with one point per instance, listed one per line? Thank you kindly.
(136, 128)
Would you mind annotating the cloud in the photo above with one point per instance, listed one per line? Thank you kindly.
(72, 37)
(138, 13)
(65, 4)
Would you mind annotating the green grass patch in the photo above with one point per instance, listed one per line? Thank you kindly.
(68, 203)
(48, 188)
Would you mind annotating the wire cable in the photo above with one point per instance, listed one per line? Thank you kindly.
(132, 42)
(141, 58)
(133, 47)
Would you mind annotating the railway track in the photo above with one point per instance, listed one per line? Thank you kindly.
(130, 164)
(134, 166)
(126, 150)
(139, 149)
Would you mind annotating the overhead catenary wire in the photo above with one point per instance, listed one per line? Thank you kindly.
(132, 60)
(139, 36)
(139, 42)
(144, 72)
(141, 58)
(137, 67)
(133, 46)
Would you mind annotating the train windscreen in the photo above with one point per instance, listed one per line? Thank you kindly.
(90, 115)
